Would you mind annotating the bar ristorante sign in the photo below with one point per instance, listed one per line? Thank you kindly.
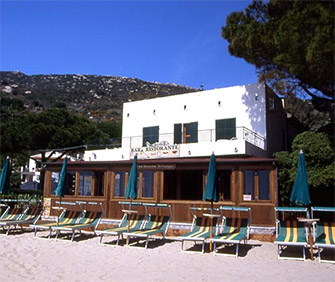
(157, 150)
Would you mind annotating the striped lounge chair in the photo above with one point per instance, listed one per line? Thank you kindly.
(235, 229)
(88, 220)
(325, 233)
(12, 214)
(136, 222)
(157, 224)
(290, 232)
(29, 217)
(66, 217)
(200, 230)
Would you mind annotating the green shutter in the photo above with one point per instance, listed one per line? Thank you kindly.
(177, 134)
(225, 128)
(192, 130)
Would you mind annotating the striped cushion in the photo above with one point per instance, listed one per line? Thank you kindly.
(291, 232)
(235, 229)
(325, 233)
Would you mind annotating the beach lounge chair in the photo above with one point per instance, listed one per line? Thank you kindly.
(290, 232)
(13, 213)
(89, 219)
(66, 217)
(136, 222)
(156, 224)
(235, 229)
(29, 217)
(325, 232)
(201, 228)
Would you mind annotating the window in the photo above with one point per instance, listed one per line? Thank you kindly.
(249, 185)
(148, 184)
(69, 183)
(183, 185)
(256, 185)
(150, 134)
(225, 128)
(91, 183)
(119, 184)
(85, 183)
(224, 184)
(186, 133)
(264, 185)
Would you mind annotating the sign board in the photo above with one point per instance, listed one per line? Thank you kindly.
(156, 151)
(47, 207)
(246, 197)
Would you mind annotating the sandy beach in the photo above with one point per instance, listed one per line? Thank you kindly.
(24, 258)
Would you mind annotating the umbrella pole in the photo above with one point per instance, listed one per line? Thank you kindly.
(128, 215)
(60, 201)
(211, 233)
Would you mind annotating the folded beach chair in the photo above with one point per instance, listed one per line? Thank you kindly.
(29, 217)
(157, 224)
(235, 229)
(89, 219)
(290, 232)
(325, 232)
(66, 217)
(136, 222)
(201, 228)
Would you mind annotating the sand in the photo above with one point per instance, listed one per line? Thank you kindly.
(24, 258)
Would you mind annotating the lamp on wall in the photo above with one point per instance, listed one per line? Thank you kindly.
(127, 114)
(256, 96)
(154, 112)
(219, 103)
(185, 107)
(189, 153)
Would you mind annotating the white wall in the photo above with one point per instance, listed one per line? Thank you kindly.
(236, 102)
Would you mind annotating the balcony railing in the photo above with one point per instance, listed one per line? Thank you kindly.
(207, 135)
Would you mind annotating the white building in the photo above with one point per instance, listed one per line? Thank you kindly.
(246, 120)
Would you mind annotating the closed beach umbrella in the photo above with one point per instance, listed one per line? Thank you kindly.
(61, 181)
(60, 187)
(210, 193)
(5, 178)
(131, 191)
(300, 193)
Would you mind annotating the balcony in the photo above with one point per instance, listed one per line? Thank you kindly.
(204, 136)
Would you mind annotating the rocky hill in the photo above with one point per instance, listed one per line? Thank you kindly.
(97, 97)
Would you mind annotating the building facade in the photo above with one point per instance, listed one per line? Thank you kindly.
(173, 138)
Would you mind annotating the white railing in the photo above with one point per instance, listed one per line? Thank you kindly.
(207, 135)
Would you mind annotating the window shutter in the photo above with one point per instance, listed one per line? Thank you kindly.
(177, 133)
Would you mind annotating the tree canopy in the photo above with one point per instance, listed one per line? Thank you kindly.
(291, 44)
(320, 163)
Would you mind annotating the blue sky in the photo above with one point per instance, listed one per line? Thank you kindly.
(165, 41)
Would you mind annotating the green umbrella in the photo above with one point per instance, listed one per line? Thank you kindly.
(131, 191)
(60, 187)
(210, 193)
(300, 193)
(61, 181)
(5, 178)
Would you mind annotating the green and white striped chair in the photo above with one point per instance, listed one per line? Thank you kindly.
(235, 229)
(325, 232)
(290, 232)
(201, 230)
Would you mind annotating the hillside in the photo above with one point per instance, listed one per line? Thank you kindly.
(97, 97)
